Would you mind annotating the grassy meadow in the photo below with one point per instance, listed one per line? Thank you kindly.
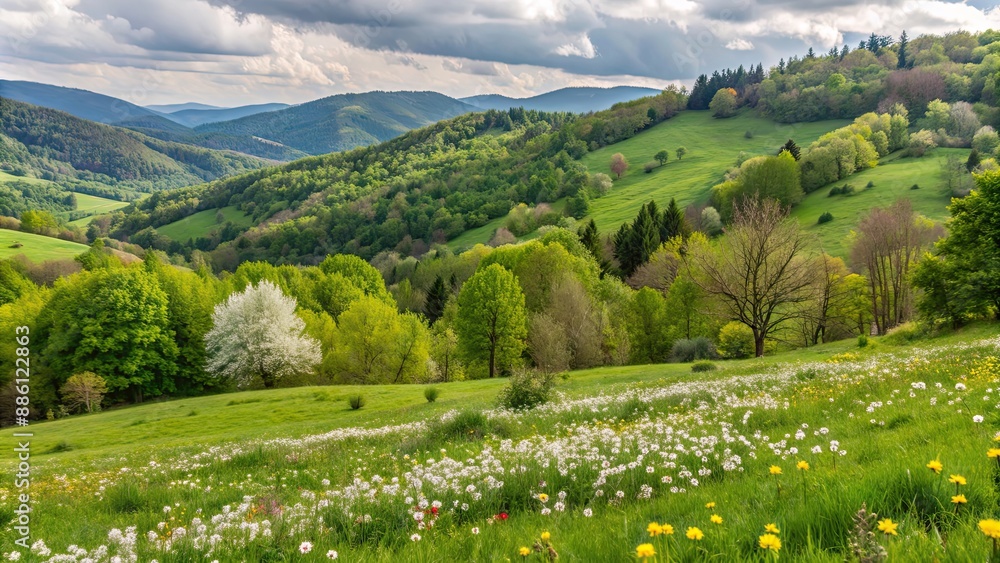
(269, 475)
(201, 224)
(37, 248)
(94, 206)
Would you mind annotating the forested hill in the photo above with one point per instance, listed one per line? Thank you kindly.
(50, 144)
(577, 100)
(81, 103)
(424, 187)
(344, 121)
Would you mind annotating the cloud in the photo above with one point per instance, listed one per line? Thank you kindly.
(739, 45)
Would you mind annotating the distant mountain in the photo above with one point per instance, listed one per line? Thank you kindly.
(344, 121)
(47, 143)
(575, 100)
(81, 103)
(195, 117)
(171, 108)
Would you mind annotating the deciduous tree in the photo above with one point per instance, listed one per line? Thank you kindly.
(492, 322)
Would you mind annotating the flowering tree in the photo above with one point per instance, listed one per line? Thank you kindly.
(84, 390)
(256, 334)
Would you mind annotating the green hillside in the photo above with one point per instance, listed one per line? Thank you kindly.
(712, 148)
(201, 224)
(681, 448)
(37, 248)
(892, 179)
(94, 205)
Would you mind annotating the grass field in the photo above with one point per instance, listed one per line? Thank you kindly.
(37, 248)
(261, 475)
(712, 148)
(892, 179)
(201, 224)
(94, 206)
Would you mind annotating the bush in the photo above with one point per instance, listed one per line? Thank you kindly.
(649, 166)
(736, 341)
(825, 218)
(905, 334)
(863, 341)
(431, 394)
(914, 187)
(870, 185)
(356, 401)
(748, 134)
(685, 350)
(526, 389)
(703, 365)
(466, 425)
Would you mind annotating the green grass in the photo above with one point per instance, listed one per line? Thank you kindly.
(482, 234)
(713, 146)
(201, 224)
(94, 206)
(8, 177)
(121, 467)
(892, 180)
(38, 248)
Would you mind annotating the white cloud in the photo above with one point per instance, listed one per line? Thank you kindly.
(739, 45)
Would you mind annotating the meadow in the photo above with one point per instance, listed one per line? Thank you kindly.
(93, 206)
(37, 248)
(201, 224)
(799, 441)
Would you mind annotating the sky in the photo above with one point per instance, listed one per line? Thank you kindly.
(234, 52)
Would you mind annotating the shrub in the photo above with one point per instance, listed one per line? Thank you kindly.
(736, 341)
(748, 134)
(431, 394)
(703, 365)
(862, 341)
(526, 389)
(914, 187)
(466, 425)
(649, 166)
(905, 334)
(825, 218)
(356, 401)
(685, 350)
(869, 185)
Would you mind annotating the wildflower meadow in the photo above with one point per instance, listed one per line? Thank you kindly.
(831, 453)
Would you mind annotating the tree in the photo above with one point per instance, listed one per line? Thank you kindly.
(491, 322)
(723, 104)
(888, 242)
(548, 344)
(973, 160)
(437, 298)
(618, 164)
(902, 54)
(114, 323)
(84, 390)
(792, 148)
(672, 222)
(256, 335)
(681, 151)
(758, 271)
(662, 156)
(711, 221)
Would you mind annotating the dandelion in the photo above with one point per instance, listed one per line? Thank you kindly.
(977, 419)
(775, 470)
(654, 529)
(694, 534)
(770, 542)
(587, 512)
(991, 528)
(332, 554)
(958, 480)
(305, 547)
(546, 536)
(475, 531)
(710, 505)
(958, 499)
(716, 519)
(803, 465)
(415, 537)
(667, 529)
(645, 550)
(524, 551)
(935, 465)
(543, 497)
(888, 527)
(772, 529)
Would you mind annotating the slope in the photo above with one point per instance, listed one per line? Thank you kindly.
(81, 103)
(576, 100)
(344, 121)
(198, 116)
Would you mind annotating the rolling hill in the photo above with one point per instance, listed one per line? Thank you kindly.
(344, 121)
(43, 142)
(81, 103)
(575, 100)
(199, 116)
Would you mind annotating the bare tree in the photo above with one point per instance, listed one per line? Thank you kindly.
(889, 241)
(84, 390)
(758, 271)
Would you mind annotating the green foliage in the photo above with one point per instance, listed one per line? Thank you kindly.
(491, 322)
(663, 156)
(863, 341)
(431, 394)
(650, 166)
(703, 366)
(736, 341)
(723, 103)
(376, 344)
(825, 218)
(772, 177)
(526, 389)
(356, 401)
(689, 350)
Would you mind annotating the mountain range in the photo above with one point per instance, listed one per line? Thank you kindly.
(575, 100)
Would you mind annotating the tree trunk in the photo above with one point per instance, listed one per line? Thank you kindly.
(493, 354)
(268, 380)
(758, 344)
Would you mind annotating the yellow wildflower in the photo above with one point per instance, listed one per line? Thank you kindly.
(990, 527)
(772, 529)
(770, 541)
(959, 499)
(654, 529)
(543, 497)
(694, 534)
(667, 529)
(957, 479)
(524, 551)
(775, 470)
(710, 505)
(803, 465)
(645, 550)
(716, 519)
(546, 536)
(935, 465)
(888, 527)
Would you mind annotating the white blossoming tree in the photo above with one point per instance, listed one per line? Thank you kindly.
(256, 334)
